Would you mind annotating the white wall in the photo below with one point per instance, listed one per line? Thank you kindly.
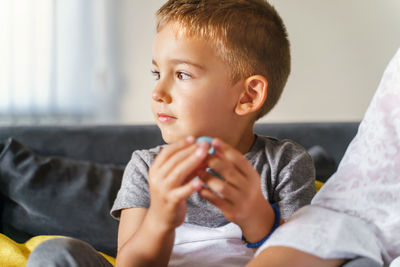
(339, 51)
(137, 30)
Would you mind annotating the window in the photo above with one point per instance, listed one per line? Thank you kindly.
(57, 61)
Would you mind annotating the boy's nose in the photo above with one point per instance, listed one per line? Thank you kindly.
(161, 96)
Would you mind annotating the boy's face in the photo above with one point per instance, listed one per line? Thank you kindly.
(194, 94)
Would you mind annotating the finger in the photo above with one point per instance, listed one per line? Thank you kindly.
(188, 165)
(169, 150)
(219, 187)
(228, 171)
(183, 192)
(232, 155)
(179, 156)
(198, 172)
(202, 169)
(221, 203)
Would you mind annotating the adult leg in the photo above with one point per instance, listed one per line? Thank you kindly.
(362, 262)
(62, 252)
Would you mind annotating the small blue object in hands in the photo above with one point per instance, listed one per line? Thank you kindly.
(207, 139)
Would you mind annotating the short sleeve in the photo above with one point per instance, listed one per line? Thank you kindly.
(287, 173)
(294, 185)
(134, 191)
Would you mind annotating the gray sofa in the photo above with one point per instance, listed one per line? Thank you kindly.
(62, 180)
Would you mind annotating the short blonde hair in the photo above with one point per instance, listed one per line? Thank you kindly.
(249, 35)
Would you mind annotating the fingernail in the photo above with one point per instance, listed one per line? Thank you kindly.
(200, 152)
(203, 144)
(216, 143)
(208, 140)
(196, 183)
(190, 139)
(219, 195)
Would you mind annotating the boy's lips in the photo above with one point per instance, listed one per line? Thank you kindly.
(162, 117)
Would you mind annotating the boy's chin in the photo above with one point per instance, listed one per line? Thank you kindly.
(168, 140)
(170, 137)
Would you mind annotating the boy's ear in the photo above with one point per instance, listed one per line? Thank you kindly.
(253, 96)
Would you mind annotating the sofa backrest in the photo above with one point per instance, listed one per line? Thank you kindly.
(114, 144)
(333, 137)
(102, 144)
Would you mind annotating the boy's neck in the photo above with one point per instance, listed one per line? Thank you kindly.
(246, 141)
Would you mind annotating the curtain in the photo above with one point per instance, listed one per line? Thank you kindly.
(58, 62)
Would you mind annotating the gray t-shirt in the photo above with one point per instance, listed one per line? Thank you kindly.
(287, 178)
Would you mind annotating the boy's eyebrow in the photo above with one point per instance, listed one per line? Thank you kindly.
(181, 61)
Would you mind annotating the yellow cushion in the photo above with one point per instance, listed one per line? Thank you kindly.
(318, 185)
(16, 254)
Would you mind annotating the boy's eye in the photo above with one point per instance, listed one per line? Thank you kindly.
(156, 74)
(183, 76)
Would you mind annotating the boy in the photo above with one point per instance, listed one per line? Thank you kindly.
(219, 65)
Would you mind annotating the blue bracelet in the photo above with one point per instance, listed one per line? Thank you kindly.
(276, 224)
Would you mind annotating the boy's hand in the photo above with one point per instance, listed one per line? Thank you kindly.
(239, 197)
(170, 181)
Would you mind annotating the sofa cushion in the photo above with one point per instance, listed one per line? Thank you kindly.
(57, 196)
(324, 163)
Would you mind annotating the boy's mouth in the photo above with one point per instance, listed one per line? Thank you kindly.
(162, 117)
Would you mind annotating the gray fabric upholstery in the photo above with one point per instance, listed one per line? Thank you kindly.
(101, 144)
(334, 137)
(114, 144)
(57, 196)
